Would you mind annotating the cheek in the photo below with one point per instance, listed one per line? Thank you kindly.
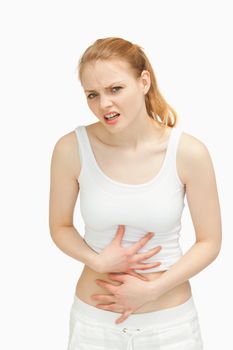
(134, 100)
(129, 99)
(93, 106)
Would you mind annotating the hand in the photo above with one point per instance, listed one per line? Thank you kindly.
(125, 298)
(115, 258)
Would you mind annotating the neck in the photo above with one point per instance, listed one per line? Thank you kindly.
(140, 133)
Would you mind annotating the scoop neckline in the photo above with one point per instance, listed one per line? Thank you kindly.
(123, 184)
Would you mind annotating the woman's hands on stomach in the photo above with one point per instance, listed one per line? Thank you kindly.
(95, 293)
(115, 267)
(115, 258)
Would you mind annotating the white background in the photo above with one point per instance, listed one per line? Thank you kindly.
(189, 44)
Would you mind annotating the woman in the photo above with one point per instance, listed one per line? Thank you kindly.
(133, 168)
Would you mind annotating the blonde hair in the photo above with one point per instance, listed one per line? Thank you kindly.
(113, 47)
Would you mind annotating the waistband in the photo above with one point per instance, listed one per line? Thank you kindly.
(156, 319)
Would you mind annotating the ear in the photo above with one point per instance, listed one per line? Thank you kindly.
(145, 81)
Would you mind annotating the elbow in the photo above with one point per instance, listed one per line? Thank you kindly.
(215, 252)
(210, 247)
(218, 248)
(214, 249)
(218, 244)
(52, 229)
(55, 232)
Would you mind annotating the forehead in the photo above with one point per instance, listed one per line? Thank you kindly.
(104, 73)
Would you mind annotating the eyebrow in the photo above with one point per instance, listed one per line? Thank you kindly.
(107, 87)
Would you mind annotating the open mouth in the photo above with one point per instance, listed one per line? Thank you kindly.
(111, 117)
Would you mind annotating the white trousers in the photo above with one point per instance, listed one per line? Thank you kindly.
(175, 328)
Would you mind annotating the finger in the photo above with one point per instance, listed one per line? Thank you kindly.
(135, 274)
(117, 277)
(119, 235)
(138, 245)
(144, 256)
(123, 277)
(123, 317)
(109, 307)
(143, 266)
(103, 298)
(109, 287)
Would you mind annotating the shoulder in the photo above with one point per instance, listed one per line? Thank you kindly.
(192, 157)
(66, 154)
(65, 142)
(190, 146)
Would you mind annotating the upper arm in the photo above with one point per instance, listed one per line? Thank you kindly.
(201, 189)
(64, 187)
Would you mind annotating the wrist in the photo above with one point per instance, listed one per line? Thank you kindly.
(97, 263)
(154, 290)
(93, 261)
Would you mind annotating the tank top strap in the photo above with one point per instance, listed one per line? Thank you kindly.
(172, 150)
(173, 142)
(83, 145)
(86, 155)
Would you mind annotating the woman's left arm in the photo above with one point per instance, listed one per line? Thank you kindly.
(203, 202)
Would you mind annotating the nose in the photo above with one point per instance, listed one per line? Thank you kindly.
(105, 102)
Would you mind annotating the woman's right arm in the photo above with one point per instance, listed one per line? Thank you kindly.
(64, 190)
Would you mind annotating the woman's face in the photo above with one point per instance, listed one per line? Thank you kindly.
(111, 87)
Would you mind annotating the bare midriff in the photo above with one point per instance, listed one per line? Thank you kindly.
(86, 287)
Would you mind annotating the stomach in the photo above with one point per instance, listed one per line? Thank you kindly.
(86, 286)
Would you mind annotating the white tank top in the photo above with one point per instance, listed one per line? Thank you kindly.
(154, 206)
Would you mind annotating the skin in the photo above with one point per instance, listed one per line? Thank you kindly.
(126, 292)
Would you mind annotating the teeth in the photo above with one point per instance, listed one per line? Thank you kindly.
(110, 116)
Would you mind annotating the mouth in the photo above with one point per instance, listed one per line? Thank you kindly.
(111, 116)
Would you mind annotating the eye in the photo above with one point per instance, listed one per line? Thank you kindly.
(116, 88)
(91, 96)
(113, 89)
